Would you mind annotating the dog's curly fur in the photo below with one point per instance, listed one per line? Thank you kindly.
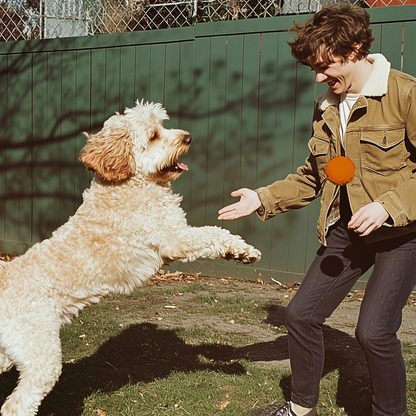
(129, 224)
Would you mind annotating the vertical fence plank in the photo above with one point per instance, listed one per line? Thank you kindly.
(127, 75)
(391, 43)
(157, 72)
(282, 226)
(267, 141)
(3, 144)
(42, 202)
(216, 126)
(249, 126)
(68, 154)
(409, 48)
(185, 119)
(98, 92)
(142, 72)
(376, 46)
(171, 86)
(201, 132)
(18, 185)
(232, 140)
(172, 101)
(82, 120)
(112, 81)
(51, 153)
(303, 125)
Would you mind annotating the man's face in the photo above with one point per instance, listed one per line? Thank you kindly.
(338, 75)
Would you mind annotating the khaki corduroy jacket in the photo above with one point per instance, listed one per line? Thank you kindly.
(380, 140)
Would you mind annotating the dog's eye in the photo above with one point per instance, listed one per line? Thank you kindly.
(155, 136)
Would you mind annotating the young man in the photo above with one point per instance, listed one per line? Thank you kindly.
(368, 114)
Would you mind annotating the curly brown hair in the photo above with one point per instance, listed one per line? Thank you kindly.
(334, 32)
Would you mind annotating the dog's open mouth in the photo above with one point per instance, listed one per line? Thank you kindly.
(176, 167)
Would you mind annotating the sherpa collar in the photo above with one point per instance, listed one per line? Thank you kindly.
(376, 86)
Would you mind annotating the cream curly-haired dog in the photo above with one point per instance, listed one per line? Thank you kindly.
(129, 224)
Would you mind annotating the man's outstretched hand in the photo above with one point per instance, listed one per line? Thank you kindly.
(248, 203)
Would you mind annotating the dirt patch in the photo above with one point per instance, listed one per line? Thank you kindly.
(270, 349)
(344, 318)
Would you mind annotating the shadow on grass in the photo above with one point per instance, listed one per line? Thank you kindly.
(143, 352)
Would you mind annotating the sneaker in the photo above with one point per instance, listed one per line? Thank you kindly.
(280, 410)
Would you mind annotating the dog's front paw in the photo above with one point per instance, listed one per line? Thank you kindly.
(246, 254)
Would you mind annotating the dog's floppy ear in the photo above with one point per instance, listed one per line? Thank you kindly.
(109, 153)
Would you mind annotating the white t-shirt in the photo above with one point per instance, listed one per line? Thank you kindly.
(345, 104)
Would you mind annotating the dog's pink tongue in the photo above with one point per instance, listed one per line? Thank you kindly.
(182, 166)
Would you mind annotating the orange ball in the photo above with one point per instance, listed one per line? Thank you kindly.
(340, 170)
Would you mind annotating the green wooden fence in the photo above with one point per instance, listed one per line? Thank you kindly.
(233, 85)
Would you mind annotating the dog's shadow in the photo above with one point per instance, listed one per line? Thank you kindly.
(144, 352)
(141, 353)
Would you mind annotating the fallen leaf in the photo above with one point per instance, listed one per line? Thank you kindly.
(224, 404)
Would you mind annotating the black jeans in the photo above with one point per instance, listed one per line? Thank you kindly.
(331, 276)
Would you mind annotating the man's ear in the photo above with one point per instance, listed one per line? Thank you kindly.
(355, 52)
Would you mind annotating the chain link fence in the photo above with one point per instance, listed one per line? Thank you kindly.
(45, 19)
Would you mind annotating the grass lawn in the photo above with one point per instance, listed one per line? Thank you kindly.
(197, 348)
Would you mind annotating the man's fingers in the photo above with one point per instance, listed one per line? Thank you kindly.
(248, 203)
(368, 218)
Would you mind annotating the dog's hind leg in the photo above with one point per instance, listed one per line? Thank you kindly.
(38, 361)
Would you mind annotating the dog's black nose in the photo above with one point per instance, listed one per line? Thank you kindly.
(187, 138)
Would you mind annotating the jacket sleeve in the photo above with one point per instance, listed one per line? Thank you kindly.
(400, 202)
(296, 191)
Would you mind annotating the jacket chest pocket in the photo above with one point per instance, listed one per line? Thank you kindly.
(319, 149)
(318, 146)
(383, 151)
